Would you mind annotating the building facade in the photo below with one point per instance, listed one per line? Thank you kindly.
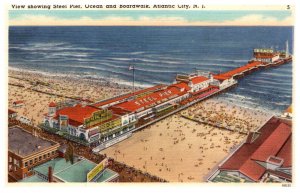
(265, 156)
(108, 119)
(27, 150)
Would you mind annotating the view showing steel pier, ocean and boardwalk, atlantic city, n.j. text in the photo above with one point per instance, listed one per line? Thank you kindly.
(201, 94)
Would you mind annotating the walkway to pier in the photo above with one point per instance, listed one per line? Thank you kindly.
(217, 125)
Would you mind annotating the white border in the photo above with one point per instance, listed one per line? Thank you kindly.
(143, 187)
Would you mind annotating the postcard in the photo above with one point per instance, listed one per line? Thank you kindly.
(142, 93)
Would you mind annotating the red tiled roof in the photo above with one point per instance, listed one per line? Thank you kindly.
(77, 114)
(260, 149)
(221, 77)
(265, 57)
(286, 153)
(235, 71)
(99, 104)
(11, 111)
(118, 111)
(181, 85)
(252, 170)
(273, 143)
(198, 79)
(52, 104)
(150, 100)
(18, 102)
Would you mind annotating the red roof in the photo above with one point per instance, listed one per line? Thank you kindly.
(181, 85)
(150, 100)
(99, 104)
(221, 77)
(265, 57)
(118, 111)
(52, 104)
(199, 79)
(18, 102)
(11, 111)
(235, 71)
(252, 170)
(77, 114)
(286, 153)
(273, 143)
(269, 143)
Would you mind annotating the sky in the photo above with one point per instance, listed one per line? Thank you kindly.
(151, 17)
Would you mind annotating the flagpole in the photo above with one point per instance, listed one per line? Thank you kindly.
(133, 79)
(131, 67)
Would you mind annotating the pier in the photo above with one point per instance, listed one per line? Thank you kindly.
(115, 119)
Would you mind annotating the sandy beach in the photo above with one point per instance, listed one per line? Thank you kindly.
(182, 150)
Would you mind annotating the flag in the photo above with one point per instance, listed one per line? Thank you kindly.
(131, 67)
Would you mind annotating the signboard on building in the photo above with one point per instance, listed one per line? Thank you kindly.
(265, 50)
(96, 171)
(125, 120)
(63, 122)
(98, 117)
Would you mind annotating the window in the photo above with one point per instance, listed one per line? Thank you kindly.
(30, 162)
(48, 154)
(35, 160)
(40, 158)
(52, 152)
(26, 164)
(44, 157)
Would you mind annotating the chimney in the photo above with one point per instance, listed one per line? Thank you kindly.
(50, 174)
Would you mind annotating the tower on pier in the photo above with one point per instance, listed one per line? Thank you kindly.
(287, 49)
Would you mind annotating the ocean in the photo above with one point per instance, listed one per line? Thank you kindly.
(158, 54)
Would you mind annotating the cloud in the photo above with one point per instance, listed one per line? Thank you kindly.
(257, 19)
(247, 20)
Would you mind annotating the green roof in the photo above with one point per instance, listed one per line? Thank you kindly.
(34, 178)
(77, 172)
(68, 172)
(58, 164)
(107, 174)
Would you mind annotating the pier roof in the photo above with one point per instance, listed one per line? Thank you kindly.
(122, 97)
(199, 79)
(151, 99)
(180, 85)
(239, 70)
(274, 140)
(77, 113)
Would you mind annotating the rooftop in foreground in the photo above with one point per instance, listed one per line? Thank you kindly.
(273, 143)
(24, 143)
(67, 172)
